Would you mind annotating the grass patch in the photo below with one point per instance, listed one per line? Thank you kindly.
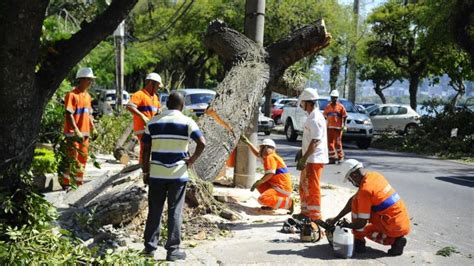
(447, 251)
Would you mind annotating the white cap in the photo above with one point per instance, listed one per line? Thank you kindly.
(85, 72)
(154, 77)
(350, 166)
(268, 142)
(308, 94)
(334, 93)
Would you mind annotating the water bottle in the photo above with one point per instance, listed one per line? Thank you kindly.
(343, 242)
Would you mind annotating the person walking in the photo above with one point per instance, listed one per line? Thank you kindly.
(336, 116)
(78, 126)
(165, 169)
(314, 156)
(144, 104)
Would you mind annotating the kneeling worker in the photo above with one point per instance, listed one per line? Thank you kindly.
(275, 186)
(378, 213)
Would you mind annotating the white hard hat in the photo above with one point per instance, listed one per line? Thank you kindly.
(334, 93)
(308, 94)
(85, 72)
(351, 165)
(154, 77)
(268, 142)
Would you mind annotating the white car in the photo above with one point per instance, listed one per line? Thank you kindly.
(400, 118)
(197, 100)
(279, 103)
(359, 126)
(106, 101)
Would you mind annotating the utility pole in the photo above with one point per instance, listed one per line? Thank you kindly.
(246, 163)
(119, 36)
(352, 55)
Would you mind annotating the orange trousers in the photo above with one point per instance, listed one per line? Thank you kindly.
(383, 230)
(274, 197)
(77, 152)
(310, 192)
(335, 143)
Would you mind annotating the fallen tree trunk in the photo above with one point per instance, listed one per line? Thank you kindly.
(252, 70)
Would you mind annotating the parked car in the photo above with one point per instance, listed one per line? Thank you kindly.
(163, 98)
(197, 100)
(359, 125)
(277, 109)
(265, 124)
(106, 101)
(393, 117)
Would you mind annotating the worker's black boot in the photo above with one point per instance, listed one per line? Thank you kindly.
(397, 247)
(359, 246)
(176, 255)
(332, 161)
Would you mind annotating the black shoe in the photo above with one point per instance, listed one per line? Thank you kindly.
(148, 253)
(176, 255)
(266, 208)
(397, 247)
(359, 246)
(332, 161)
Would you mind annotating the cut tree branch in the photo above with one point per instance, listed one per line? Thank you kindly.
(252, 71)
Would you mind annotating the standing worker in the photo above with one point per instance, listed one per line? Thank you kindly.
(144, 104)
(378, 213)
(275, 186)
(78, 125)
(314, 155)
(166, 139)
(336, 116)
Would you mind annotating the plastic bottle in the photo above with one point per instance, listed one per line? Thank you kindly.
(343, 242)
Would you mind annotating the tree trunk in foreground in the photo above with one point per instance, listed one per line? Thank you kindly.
(253, 69)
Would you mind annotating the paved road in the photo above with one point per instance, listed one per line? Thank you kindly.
(439, 194)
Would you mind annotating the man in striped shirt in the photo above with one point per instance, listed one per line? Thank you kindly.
(166, 141)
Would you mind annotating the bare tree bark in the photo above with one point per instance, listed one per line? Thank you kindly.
(253, 69)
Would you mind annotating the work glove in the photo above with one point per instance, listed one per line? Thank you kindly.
(244, 139)
(298, 156)
(301, 164)
(344, 129)
(94, 134)
(78, 134)
(331, 221)
(145, 119)
(255, 185)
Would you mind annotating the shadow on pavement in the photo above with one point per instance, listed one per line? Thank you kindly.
(325, 252)
(467, 181)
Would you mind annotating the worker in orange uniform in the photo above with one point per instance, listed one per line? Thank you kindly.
(378, 213)
(144, 104)
(336, 116)
(78, 126)
(314, 156)
(275, 186)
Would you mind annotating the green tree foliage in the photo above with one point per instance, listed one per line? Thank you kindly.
(397, 37)
(381, 71)
(450, 22)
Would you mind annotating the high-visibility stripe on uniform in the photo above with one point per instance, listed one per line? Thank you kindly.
(281, 170)
(278, 203)
(284, 192)
(334, 114)
(81, 110)
(147, 108)
(386, 203)
(270, 171)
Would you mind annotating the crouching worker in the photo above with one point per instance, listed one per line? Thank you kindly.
(378, 213)
(275, 186)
